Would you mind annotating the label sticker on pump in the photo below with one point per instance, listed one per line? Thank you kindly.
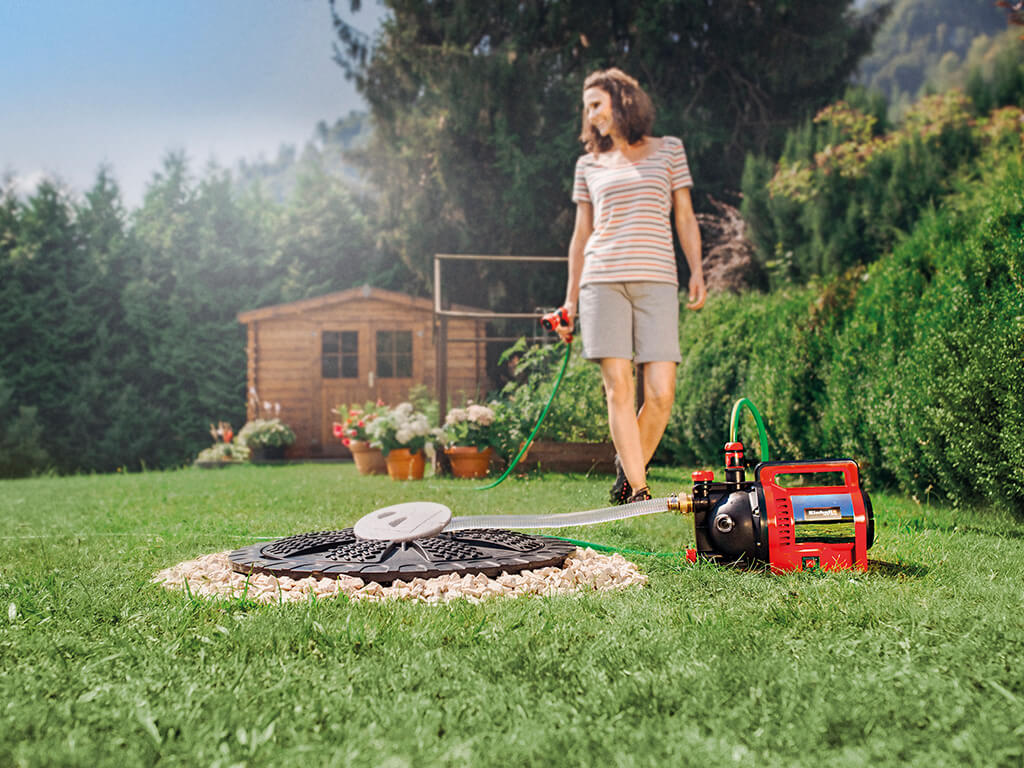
(823, 517)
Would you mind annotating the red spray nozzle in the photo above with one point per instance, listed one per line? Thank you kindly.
(556, 319)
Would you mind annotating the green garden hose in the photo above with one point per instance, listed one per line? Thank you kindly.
(737, 409)
(620, 550)
(762, 436)
(554, 391)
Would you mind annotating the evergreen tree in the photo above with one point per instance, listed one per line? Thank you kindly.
(323, 241)
(44, 336)
(201, 260)
(21, 437)
(91, 433)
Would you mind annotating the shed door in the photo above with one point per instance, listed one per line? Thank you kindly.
(396, 358)
(344, 370)
(379, 359)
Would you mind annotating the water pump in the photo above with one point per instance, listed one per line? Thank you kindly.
(794, 515)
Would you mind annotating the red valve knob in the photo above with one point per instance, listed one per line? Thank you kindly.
(703, 476)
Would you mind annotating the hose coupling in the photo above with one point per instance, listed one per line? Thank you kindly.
(680, 502)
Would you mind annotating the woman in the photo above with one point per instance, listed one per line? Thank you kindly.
(622, 270)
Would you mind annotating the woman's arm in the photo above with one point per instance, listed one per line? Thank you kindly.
(580, 234)
(689, 238)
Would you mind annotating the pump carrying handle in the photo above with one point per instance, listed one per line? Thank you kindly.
(762, 436)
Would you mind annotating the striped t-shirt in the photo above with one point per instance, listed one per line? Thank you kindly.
(632, 237)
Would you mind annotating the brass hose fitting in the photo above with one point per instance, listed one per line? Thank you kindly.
(680, 502)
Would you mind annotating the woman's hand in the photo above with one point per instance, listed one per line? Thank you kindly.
(698, 291)
(689, 237)
(565, 331)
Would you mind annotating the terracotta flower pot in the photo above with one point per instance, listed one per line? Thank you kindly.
(403, 465)
(369, 460)
(468, 461)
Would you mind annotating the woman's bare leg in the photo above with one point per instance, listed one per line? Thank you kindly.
(620, 392)
(659, 394)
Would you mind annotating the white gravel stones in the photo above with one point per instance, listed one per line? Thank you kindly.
(585, 570)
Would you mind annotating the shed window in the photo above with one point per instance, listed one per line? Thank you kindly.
(394, 354)
(340, 355)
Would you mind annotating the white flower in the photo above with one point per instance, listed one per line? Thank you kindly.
(455, 415)
(403, 435)
(480, 414)
(403, 409)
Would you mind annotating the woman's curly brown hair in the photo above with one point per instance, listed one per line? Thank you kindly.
(632, 109)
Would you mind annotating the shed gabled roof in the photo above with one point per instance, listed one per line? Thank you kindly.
(319, 302)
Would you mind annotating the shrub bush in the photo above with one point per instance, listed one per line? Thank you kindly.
(912, 366)
(578, 412)
(940, 395)
(843, 193)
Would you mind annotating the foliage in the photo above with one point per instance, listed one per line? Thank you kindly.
(858, 661)
(939, 393)
(842, 193)
(224, 448)
(21, 444)
(474, 425)
(356, 420)
(578, 411)
(403, 427)
(922, 38)
(909, 366)
(225, 452)
(991, 72)
(475, 107)
(265, 433)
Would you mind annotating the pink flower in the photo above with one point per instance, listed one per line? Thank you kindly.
(338, 430)
(346, 441)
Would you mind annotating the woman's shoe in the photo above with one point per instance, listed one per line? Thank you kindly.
(643, 494)
(621, 490)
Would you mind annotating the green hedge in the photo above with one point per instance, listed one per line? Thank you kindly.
(912, 366)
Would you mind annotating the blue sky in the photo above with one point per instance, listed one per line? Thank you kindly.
(122, 82)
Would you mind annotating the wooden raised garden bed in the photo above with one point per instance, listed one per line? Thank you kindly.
(569, 457)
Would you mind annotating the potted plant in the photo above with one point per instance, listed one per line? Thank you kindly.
(352, 432)
(266, 438)
(404, 436)
(223, 452)
(469, 437)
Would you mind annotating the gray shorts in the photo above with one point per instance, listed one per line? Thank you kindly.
(620, 319)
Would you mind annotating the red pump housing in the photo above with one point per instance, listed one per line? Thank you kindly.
(794, 515)
(817, 526)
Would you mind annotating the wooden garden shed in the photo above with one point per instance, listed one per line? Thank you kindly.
(349, 347)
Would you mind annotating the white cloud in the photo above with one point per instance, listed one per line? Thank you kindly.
(25, 184)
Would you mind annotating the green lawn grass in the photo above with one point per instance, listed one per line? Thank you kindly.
(915, 663)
